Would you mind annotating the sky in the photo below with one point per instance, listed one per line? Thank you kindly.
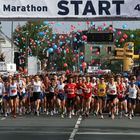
(64, 27)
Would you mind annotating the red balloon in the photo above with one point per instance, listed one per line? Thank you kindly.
(65, 65)
(125, 36)
(81, 53)
(74, 59)
(119, 32)
(25, 70)
(84, 65)
(67, 71)
(122, 40)
(67, 50)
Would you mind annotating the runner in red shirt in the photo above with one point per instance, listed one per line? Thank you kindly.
(70, 89)
(79, 95)
(87, 90)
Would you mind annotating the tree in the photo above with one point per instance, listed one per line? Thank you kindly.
(32, 39)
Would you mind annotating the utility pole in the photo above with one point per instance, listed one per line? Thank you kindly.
(12, 42)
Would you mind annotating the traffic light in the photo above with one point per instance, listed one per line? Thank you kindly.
(127, 55)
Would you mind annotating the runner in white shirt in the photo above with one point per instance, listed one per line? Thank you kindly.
(61, 96)
(37, 89)
(13, 96)
(133, 90)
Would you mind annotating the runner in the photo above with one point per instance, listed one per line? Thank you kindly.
(79, 96)
(70, 89)
(133, 90)
(61, 97)
(6, 98)
(121, 91)
(112, 96)
(13, 95)
(101, 87)
(37, 89)
(87, 90)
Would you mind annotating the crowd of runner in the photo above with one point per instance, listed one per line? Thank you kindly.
(69, 95)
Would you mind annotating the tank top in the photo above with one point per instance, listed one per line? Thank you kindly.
(13, 89)
(112, 89)
(102, 89)
(132, 92)
(20, 83)
(60, 88)
(37, 86)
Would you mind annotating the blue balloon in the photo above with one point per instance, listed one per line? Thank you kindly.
(81, 57)
(54, 47)
(50, 50)
(124, 26)
(132, 36)
(45, 22)
(75, 39)
(64, 51)
(61, 43)
(54, 36)
(41, 33)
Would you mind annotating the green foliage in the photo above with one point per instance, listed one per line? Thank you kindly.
(136, 39)
(30, 41)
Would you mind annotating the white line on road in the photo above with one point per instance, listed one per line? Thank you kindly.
(2, 118)
(75, 128)
(109, 133)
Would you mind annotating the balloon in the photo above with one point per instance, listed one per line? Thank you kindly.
(84, 65)
(65, 65)
(122, 40)
(91, 48)
(124, 26)
(110, 28)
(25, 70)
(87, 22)
(81, 57)
(93, 61)
(45, 22)
(119, 33)
(50, 50)
(75, 40)
(104, 24)
(67, 50)
(132, 36)
(77, 55)
(84, 37)
(67, 71)
(55, 47)
(58, 51)
(41, 33)
(125, 36)
(81, 53)
(74, 59)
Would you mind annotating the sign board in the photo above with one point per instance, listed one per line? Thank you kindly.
(71, 9)
(92, 69)
(11, 67)
(32, 65)
(3, 66)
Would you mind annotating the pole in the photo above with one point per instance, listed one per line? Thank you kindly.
(12, 45)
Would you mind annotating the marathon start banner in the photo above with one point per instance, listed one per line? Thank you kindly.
(71, 9)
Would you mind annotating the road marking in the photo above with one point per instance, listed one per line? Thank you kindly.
(33, 132)
(75, 128)
(2, 118)
(109, 133)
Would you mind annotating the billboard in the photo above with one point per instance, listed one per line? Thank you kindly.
(71, 9)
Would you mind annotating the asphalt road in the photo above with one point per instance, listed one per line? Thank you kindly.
(55, 128)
